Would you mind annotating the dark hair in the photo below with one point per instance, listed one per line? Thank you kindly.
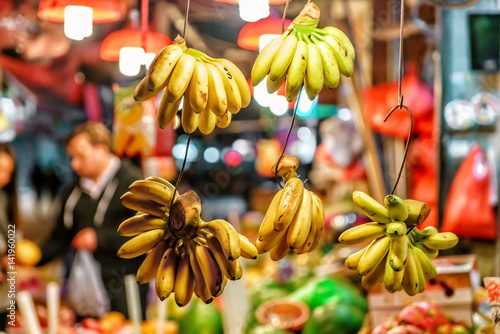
(97, 133)
(11, 187)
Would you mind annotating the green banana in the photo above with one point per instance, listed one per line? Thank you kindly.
(342, 38)
(426, 264)
(396, 207)
(331, 70)
(313, 80)
(396, 228)
(439, 241)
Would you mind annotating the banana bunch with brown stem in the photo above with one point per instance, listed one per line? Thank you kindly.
(213, 88)
(398, 253)
(184, 254)
(295, 218)
(305, 55)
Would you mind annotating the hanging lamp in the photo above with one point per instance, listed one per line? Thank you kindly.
(102, 10)
(250, 34)
(135, 45)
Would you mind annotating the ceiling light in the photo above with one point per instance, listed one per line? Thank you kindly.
(131, 60)
(102, 10)
(253, 10)
(77, 22)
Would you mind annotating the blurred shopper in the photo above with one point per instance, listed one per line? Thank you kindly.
(92, 211)
(9, 220)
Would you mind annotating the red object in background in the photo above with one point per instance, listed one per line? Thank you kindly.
(355, 171)
(380, 99)
(271, 2)
(102, 10)
(468, 211)
(249, 35)
(150, 41)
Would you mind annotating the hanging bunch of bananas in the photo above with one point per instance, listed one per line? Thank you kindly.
(184, 254)
(398, 253)
(213, 89)
(295, 218)
(305, 55)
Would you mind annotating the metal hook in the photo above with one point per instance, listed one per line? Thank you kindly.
(401, 106)
(186, 19)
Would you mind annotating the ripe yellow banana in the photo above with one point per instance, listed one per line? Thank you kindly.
(210, 269)
(184, 280)
(420, 272)
(217, 98)
(289, 203)
(392, 278)
(439, 241)
(373, 255)
(162, 66)
(181, 75)
(248, 250)
(149, 267)
(396, 207)
(231, 87)
(265, 58)
(189, 119)
(167, 270)
(241, 81)
(166, 110)
(313, 230)
(162, 181)
(375, 276)
(207, 121)
(352, 260)
(417, 212)
(410, 282)
(292, 95)
(266, 229)
(331, 70)
(228, 267)
(227, 236)
(224, 120)
(273, 86)
(152, 190)
(301, 223)
(318, 219)
(297, 69)
(264, 246)
(283, 57)
(346, 66)
(137, 203)
(201, 286)
(141, 244)
(398, 252)
(142, 93)
(426, 264)
(362, 233)
(313, 81)
(198, 87)
(139, 224)
(396, 228)
(370, 207)
(281, 249)
(342, 38)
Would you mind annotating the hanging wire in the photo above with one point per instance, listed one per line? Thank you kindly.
(284, 16)
(400, 97)
(186, 19)
(287, 137)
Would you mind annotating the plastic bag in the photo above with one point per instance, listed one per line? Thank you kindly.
(468, 211)
(85, 290)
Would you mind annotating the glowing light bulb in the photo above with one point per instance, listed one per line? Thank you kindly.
(253, 10)
(77, 22)
(148, 58)
(261, 95)
(131, 60)
(279, 105)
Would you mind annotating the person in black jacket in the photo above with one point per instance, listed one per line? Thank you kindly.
(92, 211)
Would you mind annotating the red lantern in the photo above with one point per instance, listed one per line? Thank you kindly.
(150, 41)
(102, 10)
(249, 35)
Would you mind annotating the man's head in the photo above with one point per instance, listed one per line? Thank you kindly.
(89, 147)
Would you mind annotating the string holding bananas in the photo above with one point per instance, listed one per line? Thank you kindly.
(213, 88)
(398, 253)
(295, 218)
(184, 254)
(305, 55)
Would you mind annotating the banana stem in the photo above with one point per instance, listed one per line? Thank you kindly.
(195, 53)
